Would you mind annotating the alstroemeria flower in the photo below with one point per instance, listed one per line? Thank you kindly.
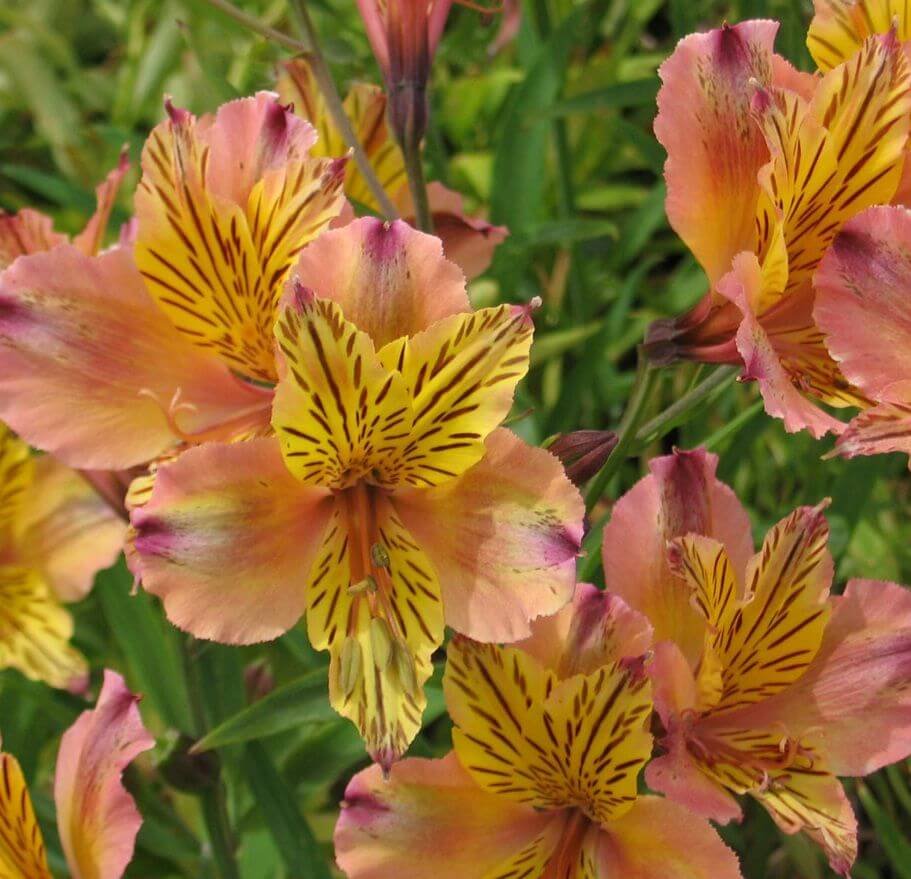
(765, 684)
(550, 736)
(109, 361)
(389, 500)
(404, 35)
(862, 306)
(96, 818)
(55, 534)
(468, 241)
(764, 166)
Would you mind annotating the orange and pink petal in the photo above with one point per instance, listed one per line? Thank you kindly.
(657, 839)
(89, 365)
(66, 531)
(681, 495)
(227, 541)
(432, 812)
(504, 538)
(390, 280)
(97, 818)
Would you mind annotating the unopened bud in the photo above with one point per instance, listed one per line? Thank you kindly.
(187, 771)
(380, 555)
(368, 584)
(350, 665)
(583, 452)
(381, 642)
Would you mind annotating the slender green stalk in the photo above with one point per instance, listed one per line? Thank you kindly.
(251, 22)
(672, 416)
(212, 799)
(646, 376)
(333, 100)
(414, 168)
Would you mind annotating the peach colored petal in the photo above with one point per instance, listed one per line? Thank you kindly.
(862, 302)
(596, 628)
(504, 538)
(27, 231)
(658, 839)
(389, 279)
(89, 364)
(885, 427)
(227, 540)
(247, 139)
(714, 148)
(430, 814)
(681, 495)
(66, 531)
(762, 362)
(855, 696)
(90, 239)
(469, 242)
(97, 819)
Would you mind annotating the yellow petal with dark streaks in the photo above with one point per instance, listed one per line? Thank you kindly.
(834, 156)
(340, 414)
(16, 472)
(551, 744)
(766, 641)
(22, 854)
(839, 27)
(374, 603)
(365, 106)
(215, 250)
(461, 373)
(35, 630)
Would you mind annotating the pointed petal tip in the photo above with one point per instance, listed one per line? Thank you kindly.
(177, 115)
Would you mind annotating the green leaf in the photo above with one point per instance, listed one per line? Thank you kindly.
(637, 93)
(148, 642)
(890, 836)
(520, 161)
(300, 852)
(301, 702)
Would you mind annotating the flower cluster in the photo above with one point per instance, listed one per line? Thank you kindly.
(283, 411)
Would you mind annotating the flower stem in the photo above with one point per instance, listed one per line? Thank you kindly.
(333, 100)
(212, 798)
(251, 22)
(414, 168)
(646, 376)
(675, 413)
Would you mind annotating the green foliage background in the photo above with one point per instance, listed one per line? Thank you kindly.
(553, 138)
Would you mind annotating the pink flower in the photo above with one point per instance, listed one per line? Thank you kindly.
(96, 818)
(550, 736)
(113, 360)
(404, 35)
(389, 502)
(765, 165)
(764, 683)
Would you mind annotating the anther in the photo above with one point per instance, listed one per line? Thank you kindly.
(379, 555)
(368, 584)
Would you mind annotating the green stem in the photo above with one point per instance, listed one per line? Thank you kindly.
(251, 22)
(646, 376)
(671, 417)
(212, 799)
(336, 109)
(414, 168)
